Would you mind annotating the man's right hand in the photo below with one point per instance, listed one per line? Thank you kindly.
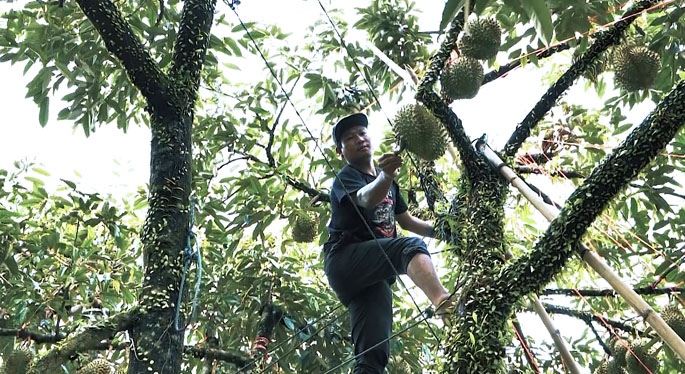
(390, 163)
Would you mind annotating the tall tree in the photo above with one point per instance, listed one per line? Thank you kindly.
(80, 253)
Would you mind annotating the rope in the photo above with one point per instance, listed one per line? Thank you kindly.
(189, 255)
(250, 363)
(330, 166)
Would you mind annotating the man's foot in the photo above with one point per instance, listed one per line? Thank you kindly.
(445, 308)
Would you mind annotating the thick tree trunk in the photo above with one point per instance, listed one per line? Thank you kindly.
(158, 346)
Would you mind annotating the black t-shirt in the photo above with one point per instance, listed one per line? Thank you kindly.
(345, 219)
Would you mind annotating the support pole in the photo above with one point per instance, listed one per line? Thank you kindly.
(636, 302)
(559, 342)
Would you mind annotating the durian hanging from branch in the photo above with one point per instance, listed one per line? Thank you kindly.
(304, 229)
(482, 39)
(420, 132)
(635, 67)
(462, 78)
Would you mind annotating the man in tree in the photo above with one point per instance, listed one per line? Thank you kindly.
(363, 256)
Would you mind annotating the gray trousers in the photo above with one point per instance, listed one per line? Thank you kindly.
(361, 277)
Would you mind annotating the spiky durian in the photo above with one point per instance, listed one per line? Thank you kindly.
(636, 67)
(602, 368)
(18, 361)
(613, 367)
(462, 78)
(618, 349)
(482, 40)
(97, 366)
(675, 319)
(398, 366)
(640, 359)
(420, 132)
(304, 228)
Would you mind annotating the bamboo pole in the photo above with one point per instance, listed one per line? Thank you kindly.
(634, 300)
(559, 342)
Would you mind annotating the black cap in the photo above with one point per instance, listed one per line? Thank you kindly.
(346, 123)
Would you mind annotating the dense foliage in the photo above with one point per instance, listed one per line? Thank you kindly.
(71, 259)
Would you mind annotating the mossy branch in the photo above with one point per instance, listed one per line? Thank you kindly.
(37, 337)
(120, 40)
(611, 292)
(427, 96)
(191, 47)
(589, 318)
(86, 340)
(603, 41)
(532, 271)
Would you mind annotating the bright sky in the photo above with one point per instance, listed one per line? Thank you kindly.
(112, 162)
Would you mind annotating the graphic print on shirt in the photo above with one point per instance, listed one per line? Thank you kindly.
(384, 218)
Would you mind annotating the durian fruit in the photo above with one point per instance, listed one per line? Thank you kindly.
(613, 367)
(647, 357)
(420, 132)
(618, 349)
(482, 40)
(398, 366)
(675, 319)
(97, 366)
(304, 228)
(636, 67)
(602, 368)
(18, 361)
(462, 78)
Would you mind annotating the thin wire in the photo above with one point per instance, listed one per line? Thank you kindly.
(613, 331)
(379, 343)
(251, 362)
(589, 33)
(318, 147)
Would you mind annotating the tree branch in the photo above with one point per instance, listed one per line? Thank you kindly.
(602, 42)
(217, 354)
(426, 95)
(538, 170)
(87, 339)
(191, 47)
(33, 335)
(589, 317)
(610, 292)
(531, 272)
(122, 43)
(504, 69)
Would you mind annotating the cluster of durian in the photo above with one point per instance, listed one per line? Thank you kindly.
(19, 361)
(420, 132)
(97, 366)
(463, 77)
(634, 357)
(304, 228)
(635, 67)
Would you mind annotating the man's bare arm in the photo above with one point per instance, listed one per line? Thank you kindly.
(415, 225)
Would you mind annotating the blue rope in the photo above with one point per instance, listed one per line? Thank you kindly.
(189, 255)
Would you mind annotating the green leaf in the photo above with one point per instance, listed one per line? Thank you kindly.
(44, 111)
(538, 11)
(450, 10)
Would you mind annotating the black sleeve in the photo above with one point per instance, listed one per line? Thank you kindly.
(400, 204)
(349, 180)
